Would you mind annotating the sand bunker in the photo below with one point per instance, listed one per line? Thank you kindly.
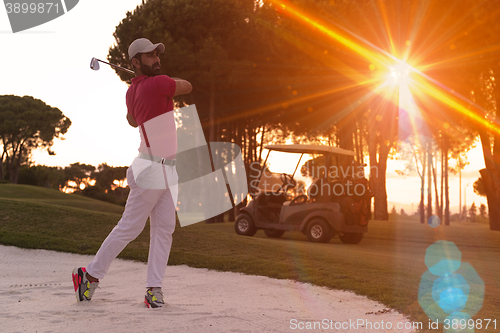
(37, 295)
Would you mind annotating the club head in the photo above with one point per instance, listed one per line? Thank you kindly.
(94, 64)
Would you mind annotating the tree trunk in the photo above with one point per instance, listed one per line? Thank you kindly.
(211, 109)
(460, 194)
(345, 134)
(446, 188)
(491, 178)
(359, 150)
(253, 144)
(429, 180)
(8, 161)
(493, 198)
(436, 189)
(244, 145)
(15, 164)
(2, 175)
(378, 152)
(14, 176)
(380, 196)
(421, 207)
(377, 180)
(211, 124)
(442, 185)
(262, 139)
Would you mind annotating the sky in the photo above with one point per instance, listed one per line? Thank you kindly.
(51, 62)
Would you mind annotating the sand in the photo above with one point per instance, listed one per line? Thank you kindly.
(37, 295)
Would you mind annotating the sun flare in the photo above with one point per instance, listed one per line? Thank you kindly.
(400, 73)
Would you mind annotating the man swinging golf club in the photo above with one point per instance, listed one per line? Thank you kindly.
(149, 96)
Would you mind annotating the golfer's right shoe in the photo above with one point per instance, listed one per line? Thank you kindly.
(84, 289)
(154, 298)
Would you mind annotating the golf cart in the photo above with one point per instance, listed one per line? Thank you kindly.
(336, 203)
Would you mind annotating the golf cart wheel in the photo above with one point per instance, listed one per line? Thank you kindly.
(244, 225)
(351, 238)
(319, 231)
(274, 233)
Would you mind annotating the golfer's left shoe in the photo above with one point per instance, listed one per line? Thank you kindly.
(84, 289)
(154, 298)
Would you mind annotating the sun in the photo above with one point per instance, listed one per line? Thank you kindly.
(399, 74)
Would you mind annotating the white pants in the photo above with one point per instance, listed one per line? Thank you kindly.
(159, 205)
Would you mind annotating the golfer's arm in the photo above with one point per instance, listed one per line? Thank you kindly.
(131, 120)
(182, 87)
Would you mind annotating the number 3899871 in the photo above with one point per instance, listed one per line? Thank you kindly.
(32, 8)
(470, 324)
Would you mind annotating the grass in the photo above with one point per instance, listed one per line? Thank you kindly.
(36, 194)
(386, 266)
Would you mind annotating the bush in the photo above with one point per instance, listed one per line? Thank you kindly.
(41, 175)
(118, 196)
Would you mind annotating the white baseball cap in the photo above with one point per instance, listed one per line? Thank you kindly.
(143, 45)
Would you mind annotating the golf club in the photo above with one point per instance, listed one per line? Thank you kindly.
(94, 64)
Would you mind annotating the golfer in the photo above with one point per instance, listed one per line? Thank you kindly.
(149, 96)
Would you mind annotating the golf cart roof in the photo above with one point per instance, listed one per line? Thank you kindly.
(310, 149)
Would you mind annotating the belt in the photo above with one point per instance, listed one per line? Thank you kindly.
(161, 160)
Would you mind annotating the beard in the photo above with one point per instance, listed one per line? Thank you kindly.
(153, 70)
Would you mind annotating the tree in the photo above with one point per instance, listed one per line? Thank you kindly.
(468, 64)
(414, 151)
(80, 174)
(217, 46)
(479, 187)
(41, 175)
(104, 188)
(347, 97)
(482, 211)
(260, 69)
(381, 137)
(472, 212)
(26, 123)
(106, 175)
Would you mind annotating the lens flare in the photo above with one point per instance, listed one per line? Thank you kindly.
(400, 73)
(420, 85)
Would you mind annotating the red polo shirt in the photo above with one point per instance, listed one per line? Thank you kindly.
(150, 96)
